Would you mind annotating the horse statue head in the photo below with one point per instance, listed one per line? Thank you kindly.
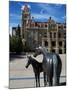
(29, 61)
(40, 50)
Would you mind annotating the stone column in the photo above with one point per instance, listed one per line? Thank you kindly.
(57, 46)
(43, 44)
(49, 41)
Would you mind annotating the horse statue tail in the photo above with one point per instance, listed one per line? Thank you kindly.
(57, 65)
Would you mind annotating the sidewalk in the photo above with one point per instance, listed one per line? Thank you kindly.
(20, 77)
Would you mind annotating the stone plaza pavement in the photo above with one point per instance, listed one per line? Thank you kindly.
(20, 77)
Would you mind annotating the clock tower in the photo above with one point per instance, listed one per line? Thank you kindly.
(25, 20)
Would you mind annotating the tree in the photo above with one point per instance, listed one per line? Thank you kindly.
(19, 45)
(15, 44)
(18, 34)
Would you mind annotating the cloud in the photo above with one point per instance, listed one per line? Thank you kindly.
(14, 19)
(42, 11)
(13, 24)
(63, 17)
(39, 16)
(22, 7)
(43, 17)
(20, 4)
(13, 15)
(51, 9)
(46, 7)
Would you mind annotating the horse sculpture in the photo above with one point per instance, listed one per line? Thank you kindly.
(37, 68)
(52, 66)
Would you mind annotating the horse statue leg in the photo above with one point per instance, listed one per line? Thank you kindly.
(50, 81)
(50, 77)
(59, 68)
(58, 73)
(38, 79)
(55, 64)
(45, 77)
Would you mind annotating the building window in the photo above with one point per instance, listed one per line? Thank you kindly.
(45, 25)
(45, 34)
(53, 50)
(50, 34)
(65, 44)
(64, 35)
(54, 35)
(59, 35)
(64, 50)
(36, 24)
(64, 26)
(60, 51)
(53, 43)
(59, 27)
(60, 43)
(25, 16)
(46, 43)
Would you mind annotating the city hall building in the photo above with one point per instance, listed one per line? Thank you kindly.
(50, 34)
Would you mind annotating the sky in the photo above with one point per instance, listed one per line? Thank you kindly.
(40, 11)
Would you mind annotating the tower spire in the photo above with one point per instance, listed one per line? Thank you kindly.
(25, 18)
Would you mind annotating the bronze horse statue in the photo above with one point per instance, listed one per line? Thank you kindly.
(51, 64)
(37, 68)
